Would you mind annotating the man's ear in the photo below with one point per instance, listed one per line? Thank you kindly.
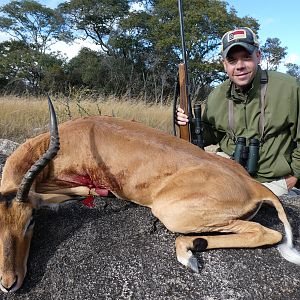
(224, 65)
(258, 55)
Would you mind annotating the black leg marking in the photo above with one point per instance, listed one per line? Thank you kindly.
(199, 244)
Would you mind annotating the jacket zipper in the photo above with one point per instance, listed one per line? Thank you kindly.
(245, 117)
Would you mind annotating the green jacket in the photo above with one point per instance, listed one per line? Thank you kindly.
(279, 154)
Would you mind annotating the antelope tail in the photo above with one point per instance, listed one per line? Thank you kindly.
(286, 248)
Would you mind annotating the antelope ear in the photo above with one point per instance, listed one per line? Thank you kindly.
(33, 199)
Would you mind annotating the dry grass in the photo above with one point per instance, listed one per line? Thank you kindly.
(21, 118)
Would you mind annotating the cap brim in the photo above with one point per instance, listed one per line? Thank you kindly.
(250, 48)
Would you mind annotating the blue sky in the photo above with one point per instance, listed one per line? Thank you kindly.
(276, 19)
(280, 19)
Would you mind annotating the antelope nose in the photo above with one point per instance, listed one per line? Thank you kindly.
(8, 284)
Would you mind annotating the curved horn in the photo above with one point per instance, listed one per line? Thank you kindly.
(42, 162)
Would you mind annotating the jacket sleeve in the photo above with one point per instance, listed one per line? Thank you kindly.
(295, 110)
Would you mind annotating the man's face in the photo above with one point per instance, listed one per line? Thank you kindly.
(241, 66)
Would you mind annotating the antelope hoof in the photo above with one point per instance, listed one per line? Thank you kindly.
(193, 264)
(189, 261)
(9, 285)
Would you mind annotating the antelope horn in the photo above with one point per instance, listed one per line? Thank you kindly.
(42, 162)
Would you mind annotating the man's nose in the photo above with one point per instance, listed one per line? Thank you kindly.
(240, 64)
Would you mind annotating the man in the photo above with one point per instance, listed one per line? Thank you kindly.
(255, 104)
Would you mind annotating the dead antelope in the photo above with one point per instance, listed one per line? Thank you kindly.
(187, 189)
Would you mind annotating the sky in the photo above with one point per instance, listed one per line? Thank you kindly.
(277, 20)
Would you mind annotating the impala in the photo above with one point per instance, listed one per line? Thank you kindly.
(187, 189)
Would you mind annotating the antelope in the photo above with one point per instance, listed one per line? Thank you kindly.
(187, 189)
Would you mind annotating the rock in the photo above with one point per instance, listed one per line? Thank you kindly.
(7, 147)
(2, 162)
(117, 250)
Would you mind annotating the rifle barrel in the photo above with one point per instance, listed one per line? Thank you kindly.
(188, 109)
(182, 34)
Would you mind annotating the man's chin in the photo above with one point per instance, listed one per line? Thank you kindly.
(242, 82)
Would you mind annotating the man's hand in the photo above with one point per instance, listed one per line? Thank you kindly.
(181, 117)
(290, 181)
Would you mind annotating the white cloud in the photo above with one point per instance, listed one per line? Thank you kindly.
(292, 58)
(72, 50)
(269, 21)
(69, 50)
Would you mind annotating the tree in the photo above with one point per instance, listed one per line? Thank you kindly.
(52, 73)
(32, 23)
(152, 36)
(94, 19)
(273, 53)
(24, 69)
(141, 49)
(34, 28)
(99, 72)
(293, 70)
(12, 58)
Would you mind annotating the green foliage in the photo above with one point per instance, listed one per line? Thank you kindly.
(24, 69)
(25, 66)
(99, 72)
(32, 23)
(94, 19)
(141, 49)
(11, 60)
(52, 76)
(273, 53)
(293, 70)
(152, 36)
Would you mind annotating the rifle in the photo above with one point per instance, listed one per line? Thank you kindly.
(192, 131)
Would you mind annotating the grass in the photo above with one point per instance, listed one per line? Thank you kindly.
(21, 118)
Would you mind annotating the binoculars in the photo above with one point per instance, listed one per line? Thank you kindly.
(197, 137)
(247, 156)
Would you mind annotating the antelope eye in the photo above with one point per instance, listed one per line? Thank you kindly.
(30, 223)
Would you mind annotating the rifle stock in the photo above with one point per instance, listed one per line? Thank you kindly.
(192, 131)
(184, 130)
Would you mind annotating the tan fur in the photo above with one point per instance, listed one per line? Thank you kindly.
(188, 189)
(14, 242)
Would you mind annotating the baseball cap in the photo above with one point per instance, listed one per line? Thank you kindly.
(244, 37)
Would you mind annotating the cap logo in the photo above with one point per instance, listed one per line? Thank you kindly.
(237, 34)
